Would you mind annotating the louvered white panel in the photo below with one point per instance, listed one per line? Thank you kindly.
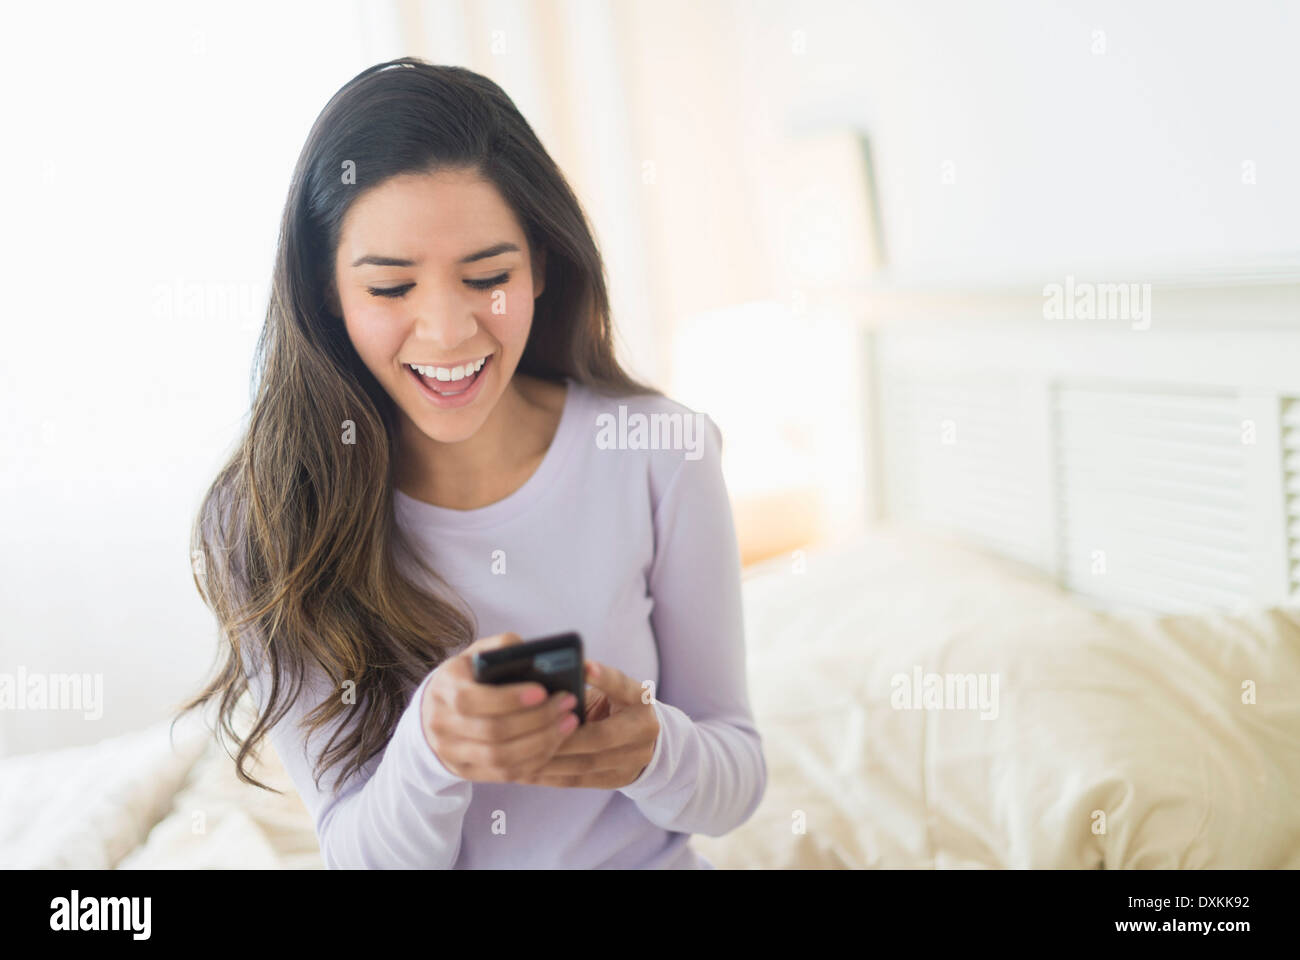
(968, 457)
(1291, 486)
(1156, 497)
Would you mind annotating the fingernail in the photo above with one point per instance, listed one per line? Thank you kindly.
(568, 723)
(532, 695)
(569, 702)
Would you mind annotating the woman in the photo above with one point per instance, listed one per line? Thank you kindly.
(429, 470)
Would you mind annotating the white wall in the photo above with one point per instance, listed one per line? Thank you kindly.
(144, 157)
(1062, 158)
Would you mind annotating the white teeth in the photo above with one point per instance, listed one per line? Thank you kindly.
(449, 373)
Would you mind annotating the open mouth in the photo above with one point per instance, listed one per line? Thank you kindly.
(449, 383)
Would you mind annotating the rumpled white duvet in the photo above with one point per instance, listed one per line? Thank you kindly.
(1100, 741)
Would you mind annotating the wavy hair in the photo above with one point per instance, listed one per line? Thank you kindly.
(295, 547)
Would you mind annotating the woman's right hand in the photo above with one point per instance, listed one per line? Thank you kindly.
(487, 732)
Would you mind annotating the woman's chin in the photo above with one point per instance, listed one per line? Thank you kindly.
(453, 426)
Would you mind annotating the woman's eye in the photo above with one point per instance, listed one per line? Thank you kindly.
(390, 291)
(484, 284)
(489, 282)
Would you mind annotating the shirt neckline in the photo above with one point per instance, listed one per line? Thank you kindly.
(566, 434)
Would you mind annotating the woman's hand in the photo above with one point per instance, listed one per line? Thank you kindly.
(487, 732)
(614, 746)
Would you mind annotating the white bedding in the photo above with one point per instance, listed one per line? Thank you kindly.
(88, 807)
(1139, 721)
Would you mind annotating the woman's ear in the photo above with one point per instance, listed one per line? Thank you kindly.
(539, 270)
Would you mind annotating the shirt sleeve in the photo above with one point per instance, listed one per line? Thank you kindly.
(404, 811)
(708, 773)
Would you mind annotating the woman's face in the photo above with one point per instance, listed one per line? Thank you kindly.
(436, 284)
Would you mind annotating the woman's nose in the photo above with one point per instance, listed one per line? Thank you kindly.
(444, 319)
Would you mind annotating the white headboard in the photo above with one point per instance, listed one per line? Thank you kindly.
(1151, 465)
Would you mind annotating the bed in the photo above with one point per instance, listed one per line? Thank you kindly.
(1112, 741)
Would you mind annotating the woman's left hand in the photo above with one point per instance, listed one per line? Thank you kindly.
(616, 743)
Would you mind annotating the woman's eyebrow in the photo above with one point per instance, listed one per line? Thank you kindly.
(379, 261)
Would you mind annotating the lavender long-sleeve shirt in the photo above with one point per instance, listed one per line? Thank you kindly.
(624, 533)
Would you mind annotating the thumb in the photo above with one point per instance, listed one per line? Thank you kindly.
(493, 642)
(616, 685)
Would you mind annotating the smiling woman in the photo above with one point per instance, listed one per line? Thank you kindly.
(448, 303)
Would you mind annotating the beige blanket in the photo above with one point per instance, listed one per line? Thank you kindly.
(1117, 742)
(1099, 741)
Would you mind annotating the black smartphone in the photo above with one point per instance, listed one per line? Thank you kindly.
(555, 662)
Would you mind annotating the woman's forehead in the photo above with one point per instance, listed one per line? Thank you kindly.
(443, 216)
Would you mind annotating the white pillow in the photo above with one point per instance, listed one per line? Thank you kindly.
(87, 807)
(1142, 719)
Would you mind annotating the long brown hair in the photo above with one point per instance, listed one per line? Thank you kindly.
(295, 547)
